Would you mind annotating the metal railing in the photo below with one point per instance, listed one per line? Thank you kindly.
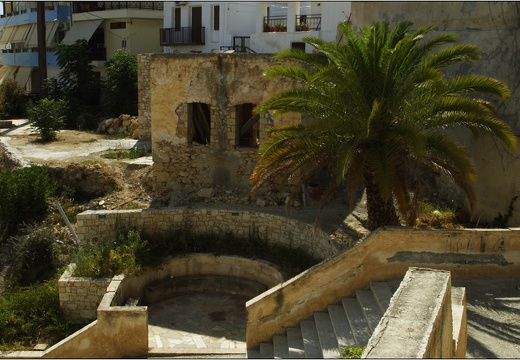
(302, 22)
(79, 7)
(183, 36)
(275, 23)
(240, 45)
(308, 22)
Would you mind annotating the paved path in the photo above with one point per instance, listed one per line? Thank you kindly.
(198, 324)
(493, 317)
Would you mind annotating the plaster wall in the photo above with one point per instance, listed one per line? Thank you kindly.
(385, 254)
(119, 331)
(494, 27)
(425, 332)
(203, 264)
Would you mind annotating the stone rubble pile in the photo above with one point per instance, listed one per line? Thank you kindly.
(123, 124)
(223, 195)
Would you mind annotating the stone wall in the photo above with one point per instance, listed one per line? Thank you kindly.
(143, 89)
(223, 83)
(275, 229)
(80, 297)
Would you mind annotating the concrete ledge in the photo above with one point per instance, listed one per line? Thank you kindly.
(418, 322)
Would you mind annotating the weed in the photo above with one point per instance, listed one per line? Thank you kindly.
(132, 153)
(93, 140)
(130, 253)
(429, 215)
(502, 221)
(352, 352)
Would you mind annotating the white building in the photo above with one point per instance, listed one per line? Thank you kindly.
(261, 27)
(132, 26)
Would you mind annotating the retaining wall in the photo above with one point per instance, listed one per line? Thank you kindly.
(383, 255)
(80, 297)
(93, 225)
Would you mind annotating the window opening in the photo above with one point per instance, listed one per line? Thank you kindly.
(201, 123)
(298, 45)
(248, 125)
(216, 17)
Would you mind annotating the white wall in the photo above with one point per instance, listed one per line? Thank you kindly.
(332, 13)
(236, 19)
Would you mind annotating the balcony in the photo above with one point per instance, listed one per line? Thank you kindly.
(302, 23)
(183, 36)
(88, 6)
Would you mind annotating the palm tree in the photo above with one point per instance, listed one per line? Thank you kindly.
(383, 110)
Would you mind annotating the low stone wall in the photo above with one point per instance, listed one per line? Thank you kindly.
(80, 297)
(275, 229)
(203, 264)
(383, 255)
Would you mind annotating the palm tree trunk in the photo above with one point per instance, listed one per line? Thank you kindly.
(381, 212)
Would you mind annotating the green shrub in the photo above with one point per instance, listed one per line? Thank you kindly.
(47, 118)
(353, 352)
(129, 254)
(25, 194)
(29, 314)
(120, 86)
(108, 258)
(35, 254)
(13, 102)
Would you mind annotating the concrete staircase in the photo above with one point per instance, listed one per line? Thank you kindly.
(349, 323)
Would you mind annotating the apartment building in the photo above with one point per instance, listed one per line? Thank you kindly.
(132, 26)
(257, 27)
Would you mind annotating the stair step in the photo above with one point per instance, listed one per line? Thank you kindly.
(253, 354)
(357, 321)
(370, 308)
(328, 342)
(266, 351)
(341, 326)
(280, 347)
(311, 341)
(295, 343)
(382, 293)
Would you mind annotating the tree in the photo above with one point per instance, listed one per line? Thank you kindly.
(382, 107)
(77, 84)
(120, 95)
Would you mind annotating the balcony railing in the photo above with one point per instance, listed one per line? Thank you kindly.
(302, 23)
(275, 23)
(183, 36)
(87, 6)
(308, 22)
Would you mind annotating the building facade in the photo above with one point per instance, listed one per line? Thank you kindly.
(248, 27)
(107, 26)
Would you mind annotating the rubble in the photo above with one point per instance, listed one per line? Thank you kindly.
(124, 124)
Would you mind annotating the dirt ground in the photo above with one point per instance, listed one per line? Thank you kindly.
(134, 181)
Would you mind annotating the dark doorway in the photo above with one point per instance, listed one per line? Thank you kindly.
(248, 126)
(200, 120)
(196, 24)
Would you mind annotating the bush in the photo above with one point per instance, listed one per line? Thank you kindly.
(13, 102)
(109, 258)
(25, 194)
(120, 87)
(29, 314)
(35, 254)
(48, 118)
(129, 254)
